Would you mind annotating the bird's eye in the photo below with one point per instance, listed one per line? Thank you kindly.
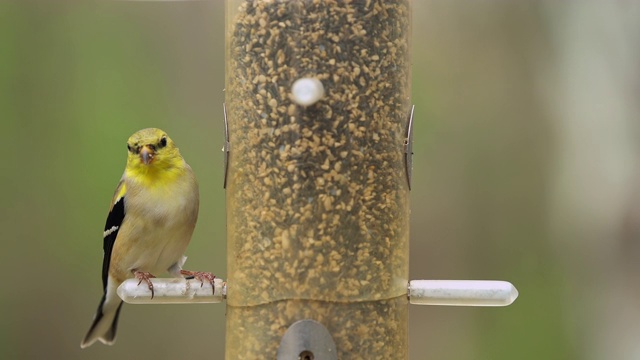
(163, 142)
(129, 148)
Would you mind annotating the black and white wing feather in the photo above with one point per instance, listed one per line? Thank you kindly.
(111, 228)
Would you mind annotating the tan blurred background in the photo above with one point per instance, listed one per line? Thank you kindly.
(527, 169)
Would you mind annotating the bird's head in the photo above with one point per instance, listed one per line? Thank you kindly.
(151, 149)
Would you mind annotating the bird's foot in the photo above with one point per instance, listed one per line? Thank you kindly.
(201, 276)
(146, 277)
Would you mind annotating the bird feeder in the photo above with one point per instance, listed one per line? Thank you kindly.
(318, 154)
(318, 205)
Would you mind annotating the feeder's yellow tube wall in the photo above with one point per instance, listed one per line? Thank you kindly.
(317, 196)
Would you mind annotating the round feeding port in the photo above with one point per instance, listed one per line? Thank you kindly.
(307, 91)
(306, 355)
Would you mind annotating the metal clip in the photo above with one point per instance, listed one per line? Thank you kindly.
(226, 147)
(307, 340)
(408, 148)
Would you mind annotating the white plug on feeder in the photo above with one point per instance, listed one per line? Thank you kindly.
(307, 91)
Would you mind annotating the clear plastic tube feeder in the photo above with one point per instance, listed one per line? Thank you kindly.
(318, 109)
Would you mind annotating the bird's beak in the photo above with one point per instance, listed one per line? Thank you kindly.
(146, 154)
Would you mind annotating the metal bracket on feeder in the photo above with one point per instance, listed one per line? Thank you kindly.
(408, 148)
(226, 146)
(307, 340)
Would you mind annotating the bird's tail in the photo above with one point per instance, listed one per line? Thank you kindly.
(105, 321)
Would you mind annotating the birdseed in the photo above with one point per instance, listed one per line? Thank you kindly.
(317, 196)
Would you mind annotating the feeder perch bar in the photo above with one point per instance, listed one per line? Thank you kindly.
(420, 292)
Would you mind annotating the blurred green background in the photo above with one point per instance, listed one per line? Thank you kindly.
(527, 169)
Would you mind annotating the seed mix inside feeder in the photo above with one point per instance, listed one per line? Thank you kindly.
(317, 193)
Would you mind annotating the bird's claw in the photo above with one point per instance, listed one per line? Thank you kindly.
(201, 276)
(146, 277)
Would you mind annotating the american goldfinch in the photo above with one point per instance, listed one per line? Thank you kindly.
(151, 219)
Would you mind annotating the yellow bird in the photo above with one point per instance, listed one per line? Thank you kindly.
(151, 219)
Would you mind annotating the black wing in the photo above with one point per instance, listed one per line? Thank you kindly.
(114, 221)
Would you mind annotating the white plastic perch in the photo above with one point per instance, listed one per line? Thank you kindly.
(462, 292)
(421, 292)
(171, 291)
